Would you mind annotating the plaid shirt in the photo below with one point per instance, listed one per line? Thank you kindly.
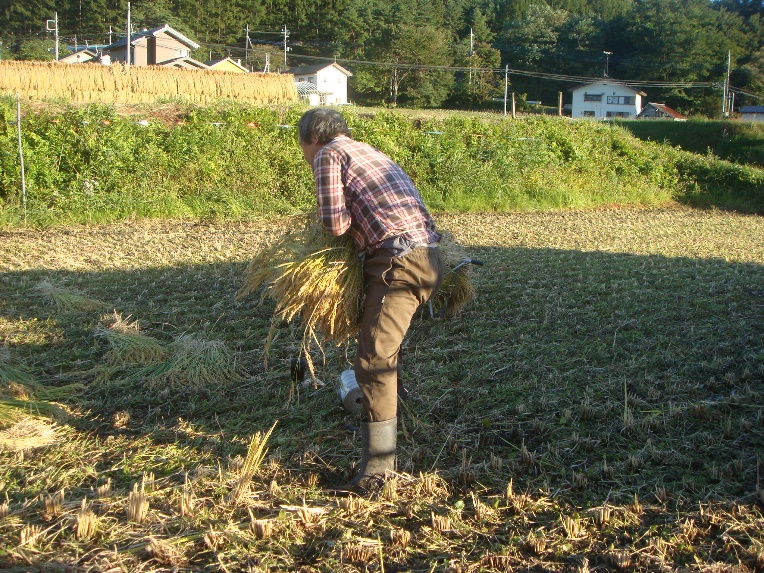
(361, 189)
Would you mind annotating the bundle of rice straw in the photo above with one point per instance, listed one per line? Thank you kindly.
(21, 386)
(315, 276)
(190, 361)
(456, 292)
(128, 344)
(318, 277)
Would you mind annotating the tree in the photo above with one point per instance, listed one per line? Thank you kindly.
(404, 48)
(25, 17)
(529, 41)
(481, 83)
(42, 50)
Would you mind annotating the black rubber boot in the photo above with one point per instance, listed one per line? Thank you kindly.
(378, 441)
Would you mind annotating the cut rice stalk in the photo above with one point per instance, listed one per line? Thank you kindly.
(131, 347)
(17, 382)
(67, 300)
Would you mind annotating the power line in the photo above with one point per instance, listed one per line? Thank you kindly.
(510, 71)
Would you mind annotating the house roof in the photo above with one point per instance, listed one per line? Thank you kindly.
(665, 109)
(606, 84)
(215, 63)
(752, 109)
(184, 62)
(83, 55)
(166, 29)
(304, 70)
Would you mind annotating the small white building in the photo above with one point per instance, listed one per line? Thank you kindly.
(330, 80)
(752, 113)
(80, 57)
(606, 99)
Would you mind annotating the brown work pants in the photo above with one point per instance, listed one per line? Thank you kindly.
(395, 287)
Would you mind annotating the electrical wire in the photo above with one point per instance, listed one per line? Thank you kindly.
(565, 78)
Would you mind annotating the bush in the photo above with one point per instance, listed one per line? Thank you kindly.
(230, 160)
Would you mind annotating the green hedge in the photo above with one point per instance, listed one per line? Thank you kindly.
(90, 164)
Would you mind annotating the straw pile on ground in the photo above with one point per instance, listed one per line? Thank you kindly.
(190, 360)
(319, 278)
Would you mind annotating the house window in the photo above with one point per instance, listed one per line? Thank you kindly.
(593, 97)
(618, 114)
(620, 100)
(588, 113)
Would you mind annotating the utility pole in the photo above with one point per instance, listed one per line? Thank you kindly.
(129, 36)
(506, 86)
(54, 29)
(286, 49)
(607, 62)
(725, 91)
(246, 46)
(110, 32)
(472, 52)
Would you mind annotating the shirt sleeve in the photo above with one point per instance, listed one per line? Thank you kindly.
(330, 192)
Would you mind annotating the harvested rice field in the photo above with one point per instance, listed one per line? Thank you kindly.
(599, 406)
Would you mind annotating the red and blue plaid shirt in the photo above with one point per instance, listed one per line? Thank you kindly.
(361, 189)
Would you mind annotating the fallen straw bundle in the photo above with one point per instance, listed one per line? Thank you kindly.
(66, 300)
(128, 344)
(191, 361)
(313, 275)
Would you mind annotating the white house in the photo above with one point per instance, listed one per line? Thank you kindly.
(606, 99)
(331, 81)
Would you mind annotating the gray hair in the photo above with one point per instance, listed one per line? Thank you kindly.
(323, 124)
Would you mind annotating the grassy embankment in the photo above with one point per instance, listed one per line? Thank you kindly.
(91, 164)
(734, 141)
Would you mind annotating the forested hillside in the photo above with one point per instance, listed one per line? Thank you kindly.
(676, 50)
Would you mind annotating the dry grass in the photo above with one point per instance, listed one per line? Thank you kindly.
(517, 451)
(27, 433)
